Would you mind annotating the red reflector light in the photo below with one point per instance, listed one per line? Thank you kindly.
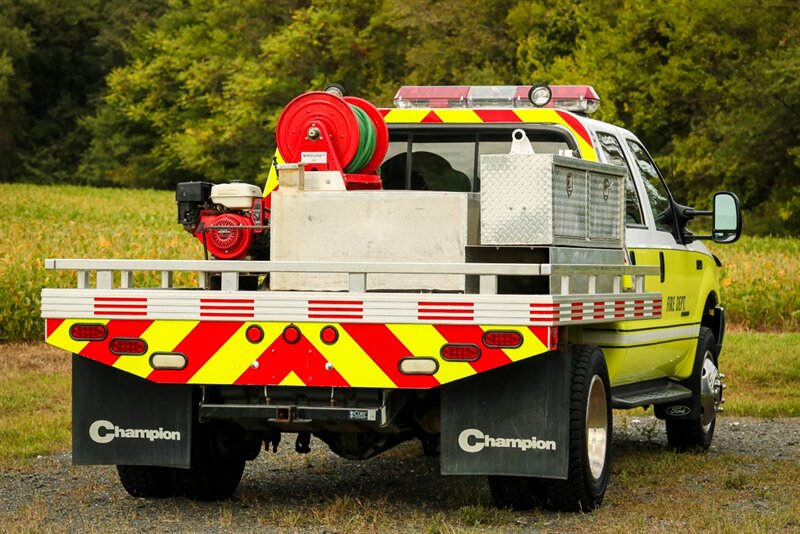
(553, 338)
(329, 335)
(254, 334)
(455, 352)
(291, 334)
(502, 339)
(88, 332)
(128, 346)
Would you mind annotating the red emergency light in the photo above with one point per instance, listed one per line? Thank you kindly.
(432, 96)
(576, 98)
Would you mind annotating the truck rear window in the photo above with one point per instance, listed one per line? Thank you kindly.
(448, 160)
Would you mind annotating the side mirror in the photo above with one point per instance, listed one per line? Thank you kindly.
(727, 218)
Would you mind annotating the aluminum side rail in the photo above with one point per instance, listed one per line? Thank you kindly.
(357, 271)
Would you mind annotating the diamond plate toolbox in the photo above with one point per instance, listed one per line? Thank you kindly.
(546, 199)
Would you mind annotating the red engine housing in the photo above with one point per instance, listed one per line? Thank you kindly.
(224, 243)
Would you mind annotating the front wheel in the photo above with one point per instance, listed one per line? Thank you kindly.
(697, 433)
(590, 430)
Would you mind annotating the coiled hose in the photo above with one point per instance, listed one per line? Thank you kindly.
(366, 141)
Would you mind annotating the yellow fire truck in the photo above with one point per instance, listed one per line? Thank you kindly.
(485, 269)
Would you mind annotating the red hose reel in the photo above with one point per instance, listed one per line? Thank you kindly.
(331, 133)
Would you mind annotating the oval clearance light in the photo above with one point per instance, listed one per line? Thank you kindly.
(254, 334)
(418, 366)
(291, 334)
(329, 335)
(458, 352)
(174, 361)
(502, 339)
(88, 332)
(127, 346)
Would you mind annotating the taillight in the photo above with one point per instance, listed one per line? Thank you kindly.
(329, 335)
(502, 339)
(254, 334)
(128, 346)
(291, 334)
(456, 352)
(88, 332)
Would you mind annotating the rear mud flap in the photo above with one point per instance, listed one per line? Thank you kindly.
(510, 421)
(118, 418)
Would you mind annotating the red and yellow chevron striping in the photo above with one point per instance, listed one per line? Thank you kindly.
(323, 354)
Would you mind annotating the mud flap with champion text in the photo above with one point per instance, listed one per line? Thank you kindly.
(510, 421)
(118, 418)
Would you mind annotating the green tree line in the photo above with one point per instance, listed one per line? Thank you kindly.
(152, 92)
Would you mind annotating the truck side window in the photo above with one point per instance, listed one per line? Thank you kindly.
(655, 187)
(612, 153)
(393, 169)
(449, 160)
(441, 163)
(541, 142)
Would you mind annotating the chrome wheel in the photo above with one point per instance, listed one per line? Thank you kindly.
(696, 430)
(596, 427)
(710, 391)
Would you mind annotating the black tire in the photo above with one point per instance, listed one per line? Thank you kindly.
(146, 481)
(431, 445)
(213, 475)
(517, 493)
(696, 433)
(590, 435)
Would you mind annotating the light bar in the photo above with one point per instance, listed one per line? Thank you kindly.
(431, 96)
(580, 98)
(577, 98)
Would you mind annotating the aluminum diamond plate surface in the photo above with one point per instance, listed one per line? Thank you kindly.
(546, 199)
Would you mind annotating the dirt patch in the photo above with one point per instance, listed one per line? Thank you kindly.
(33, 357)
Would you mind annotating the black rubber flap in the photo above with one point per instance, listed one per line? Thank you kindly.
(510, 421)
(119, 418)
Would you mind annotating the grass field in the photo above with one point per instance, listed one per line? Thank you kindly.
(761, 283)
(760, 276)
(42, 222)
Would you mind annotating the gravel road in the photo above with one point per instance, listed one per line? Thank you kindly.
(53, 495)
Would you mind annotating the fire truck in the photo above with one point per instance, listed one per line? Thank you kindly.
(485, 269)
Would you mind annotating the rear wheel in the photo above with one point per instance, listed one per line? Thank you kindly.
(697, 433)
(589, 446)
(518, 493)
(215, 471)
(147, 481)
(589, 435)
